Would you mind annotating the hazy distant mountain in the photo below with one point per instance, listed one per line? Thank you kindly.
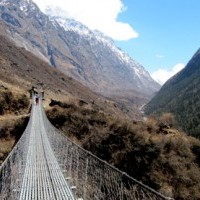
(181, 96)
(86, 55)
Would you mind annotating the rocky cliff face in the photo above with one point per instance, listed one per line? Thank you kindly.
(85, 55)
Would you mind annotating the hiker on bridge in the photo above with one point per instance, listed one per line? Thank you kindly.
(37, 99)
(33, 91)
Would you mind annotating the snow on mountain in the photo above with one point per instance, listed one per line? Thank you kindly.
(87, 55)
(25, 5)
(95, 35)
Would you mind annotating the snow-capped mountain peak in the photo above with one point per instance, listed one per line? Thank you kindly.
(26, 6)
(73, 25)
(87, 55)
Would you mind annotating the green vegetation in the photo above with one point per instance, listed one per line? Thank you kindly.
(152, 151)
(181, 96)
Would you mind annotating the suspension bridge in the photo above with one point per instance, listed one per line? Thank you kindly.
(46, 165)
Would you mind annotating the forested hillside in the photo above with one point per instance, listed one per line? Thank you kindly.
(181, 96)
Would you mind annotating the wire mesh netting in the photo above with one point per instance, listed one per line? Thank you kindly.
(89, 177)
(93, 178)
(12, 169)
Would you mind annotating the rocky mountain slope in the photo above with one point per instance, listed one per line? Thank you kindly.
(20, 67)
(19, 71)
(88, 56)
(181, 96)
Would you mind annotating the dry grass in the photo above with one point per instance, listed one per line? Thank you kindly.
(11, 129)
(153, 152)
(13, 106)
(5, 148)
(15, 102)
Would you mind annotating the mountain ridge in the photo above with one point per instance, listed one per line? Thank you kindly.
(95, 63)
(180, 96)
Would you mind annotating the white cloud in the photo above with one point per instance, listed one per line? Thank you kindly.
(96, 14)
(162, 75)
(160, 56)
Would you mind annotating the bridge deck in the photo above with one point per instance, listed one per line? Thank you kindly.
(43, 178)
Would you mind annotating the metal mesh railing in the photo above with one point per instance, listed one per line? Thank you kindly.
(89, 177)
(92, 178)
(12, 169)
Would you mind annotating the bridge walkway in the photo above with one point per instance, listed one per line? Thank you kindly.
(43, 177)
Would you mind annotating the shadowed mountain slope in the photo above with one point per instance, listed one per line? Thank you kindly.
(181, 96)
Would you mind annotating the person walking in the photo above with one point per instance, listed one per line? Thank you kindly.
(37, 99)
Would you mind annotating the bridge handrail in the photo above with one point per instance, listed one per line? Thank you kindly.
(54, 131)
(15, 146)
(89, 176)
(13, 166)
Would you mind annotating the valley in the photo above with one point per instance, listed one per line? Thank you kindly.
(185, 105)
(97, 95)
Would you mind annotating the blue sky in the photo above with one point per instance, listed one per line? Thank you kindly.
(169, 32)
(162, 35)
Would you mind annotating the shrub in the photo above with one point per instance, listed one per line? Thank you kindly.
(12, 102)
(167, 119)
(165, 162)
